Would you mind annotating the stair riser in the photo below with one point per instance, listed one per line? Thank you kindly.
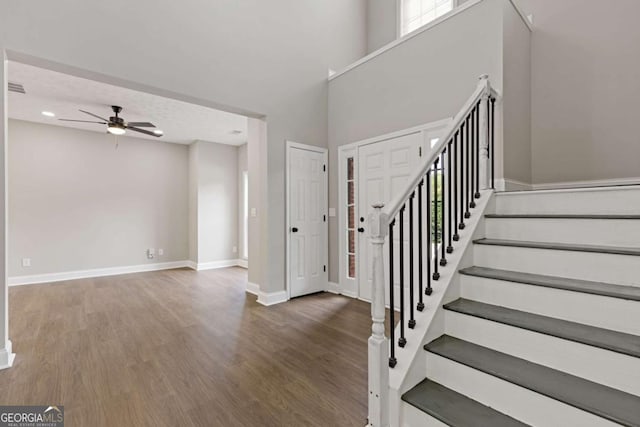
(520, 403)
(595, 310)
(414, 417)
(624, 200)
(579, 231)
(598, 267)
(602, 366)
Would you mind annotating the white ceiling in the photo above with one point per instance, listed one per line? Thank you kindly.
(64, 95)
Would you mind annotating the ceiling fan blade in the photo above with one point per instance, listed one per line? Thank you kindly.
(82, 121)
(97, 117)
(141, 124)
(146, 132)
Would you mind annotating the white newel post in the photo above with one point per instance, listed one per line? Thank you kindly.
(484, 136)
(378, 343)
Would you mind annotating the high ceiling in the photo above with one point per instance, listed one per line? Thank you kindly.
(64, 95)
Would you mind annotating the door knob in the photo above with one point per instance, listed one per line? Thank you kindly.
(294, 229)
(361, 230)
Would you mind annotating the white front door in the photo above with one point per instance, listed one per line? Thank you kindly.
(307, 234)
(384, 168)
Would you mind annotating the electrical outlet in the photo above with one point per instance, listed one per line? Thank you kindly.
(332, 212)
(235, 249)
(254, 212)
(26, 262)
(150, 253)
(160, 252)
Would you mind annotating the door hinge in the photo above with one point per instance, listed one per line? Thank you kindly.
(324, 218)
(419, 151)
(324, 168)
(324, 268)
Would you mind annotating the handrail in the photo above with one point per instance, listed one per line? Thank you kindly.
(451, 178)
(392, 209)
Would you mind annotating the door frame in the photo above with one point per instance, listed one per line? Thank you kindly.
(351, 150)
(291, 145)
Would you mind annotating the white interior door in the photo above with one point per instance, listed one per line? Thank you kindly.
(384, 168)
(307, 189)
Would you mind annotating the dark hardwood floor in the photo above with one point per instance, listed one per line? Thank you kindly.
(186, 348)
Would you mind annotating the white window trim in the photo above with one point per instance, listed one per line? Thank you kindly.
(400, 20)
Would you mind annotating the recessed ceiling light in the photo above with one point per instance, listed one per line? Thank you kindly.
(48, 114)
(158, 132)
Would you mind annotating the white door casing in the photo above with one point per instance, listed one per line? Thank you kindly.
(307, 248)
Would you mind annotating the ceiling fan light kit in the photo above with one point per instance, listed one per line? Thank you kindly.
(117, 126)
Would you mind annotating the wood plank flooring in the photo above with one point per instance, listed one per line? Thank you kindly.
(186, 348)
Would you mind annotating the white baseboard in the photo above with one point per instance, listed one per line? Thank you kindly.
(7, 356)
(580, 184)
(272, 298)
(253, 288)
(218, 264)
(96, 272)
(350, 294)
(192, 265)
(244, 263)
(512, 185)
(333, 287)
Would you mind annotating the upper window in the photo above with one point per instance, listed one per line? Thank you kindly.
(416, 13)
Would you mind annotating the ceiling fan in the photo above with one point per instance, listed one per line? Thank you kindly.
(117, 126)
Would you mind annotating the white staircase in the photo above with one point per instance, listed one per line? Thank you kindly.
(546, 331)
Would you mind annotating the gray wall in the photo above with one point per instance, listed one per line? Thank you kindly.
(217, 202)
(381, 23)
(243, 166)
(76, 202)
(421, 80)
(585, 89)
(269, 58)
(516, 108)
(193, 203)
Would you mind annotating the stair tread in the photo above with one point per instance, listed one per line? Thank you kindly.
(615, 405)
(455, 409)
(618, 342)
(568, 284)
(560, 246)
(561, 216)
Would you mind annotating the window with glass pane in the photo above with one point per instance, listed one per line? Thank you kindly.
(351, 220)
(416, 13)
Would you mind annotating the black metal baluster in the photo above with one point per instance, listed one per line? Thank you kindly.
(412, 320)
(472, 131)
(402, 341)
(392, 309)
(467, 170)
(462, 176)
(429, 290)
(493, 135)
(420, 258)
(477, 193)
(443, 211)
(454, 154)
(434, 227)
(449, 178)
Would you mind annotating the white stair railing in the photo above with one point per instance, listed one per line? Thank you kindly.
(448, 181)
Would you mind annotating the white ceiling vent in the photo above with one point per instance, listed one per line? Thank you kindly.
(16, 87)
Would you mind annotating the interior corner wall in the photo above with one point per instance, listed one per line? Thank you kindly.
(193, 203)
(423, 79)
(256, 161)
(78, 203)
(516, 163)
(217, 203)
(243, 167)
(585, 90)
(258, 58)
(4, 247)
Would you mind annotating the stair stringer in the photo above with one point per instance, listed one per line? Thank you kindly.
(410, 369)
